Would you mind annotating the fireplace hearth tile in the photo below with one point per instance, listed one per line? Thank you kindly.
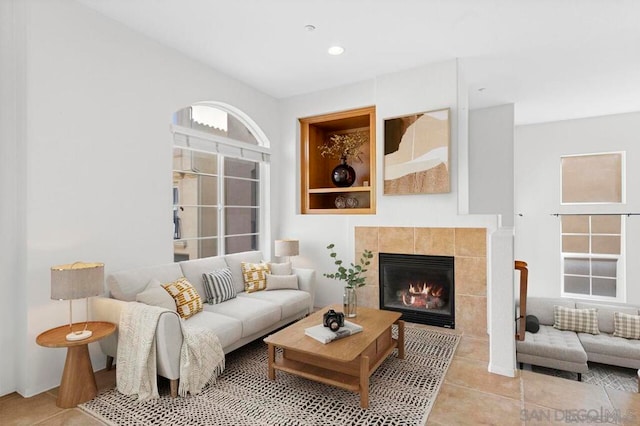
(395, 240)
(471, 242)
(366, 237)
(471, 275)
(471, 315)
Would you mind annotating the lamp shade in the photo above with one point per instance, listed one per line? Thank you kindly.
(286, 248)
(77, 280)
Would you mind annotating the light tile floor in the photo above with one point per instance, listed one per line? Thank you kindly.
(470, 395)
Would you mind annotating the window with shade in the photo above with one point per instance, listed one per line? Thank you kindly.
(592, 249)
(219, 172)
(592, 257)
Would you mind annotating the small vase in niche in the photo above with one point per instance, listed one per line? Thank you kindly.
(343, 175)
(350, 302)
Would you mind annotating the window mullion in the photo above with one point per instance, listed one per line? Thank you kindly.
(221, 206)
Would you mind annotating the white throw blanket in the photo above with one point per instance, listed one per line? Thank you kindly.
(201, 355)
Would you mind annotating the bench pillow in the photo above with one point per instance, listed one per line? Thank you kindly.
(605, 314)
(627, 326)
(578, 320)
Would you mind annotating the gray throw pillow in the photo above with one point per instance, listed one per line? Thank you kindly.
(280, 268)
(218, 286)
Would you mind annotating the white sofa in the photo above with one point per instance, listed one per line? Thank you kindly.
(236, 322)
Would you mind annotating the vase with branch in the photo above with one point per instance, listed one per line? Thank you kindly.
(345, 147)
(352, 276)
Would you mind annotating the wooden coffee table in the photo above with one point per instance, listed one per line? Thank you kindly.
(346, 363)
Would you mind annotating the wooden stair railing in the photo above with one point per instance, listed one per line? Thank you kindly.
(522, 318)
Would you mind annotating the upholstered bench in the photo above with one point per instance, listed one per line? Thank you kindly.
(569, 350)
(553, 348)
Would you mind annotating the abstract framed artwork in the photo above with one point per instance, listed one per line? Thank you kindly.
(416, 153)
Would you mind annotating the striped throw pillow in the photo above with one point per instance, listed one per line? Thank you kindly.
(578, 320)
(626, 325)
(255, 276)
(188, 301)
(218, 285)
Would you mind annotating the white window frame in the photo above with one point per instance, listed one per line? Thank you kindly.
(621, 291)
(203, 142)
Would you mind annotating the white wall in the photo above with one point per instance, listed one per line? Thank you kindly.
(421, 89)
(491, 162)
(537, 183)
(97, 162)
(12, 189)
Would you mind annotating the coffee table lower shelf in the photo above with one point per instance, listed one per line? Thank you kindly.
(353, 376)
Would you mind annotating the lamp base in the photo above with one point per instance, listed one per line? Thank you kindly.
(79, 335)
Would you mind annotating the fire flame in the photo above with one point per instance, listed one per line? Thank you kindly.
(424, 295)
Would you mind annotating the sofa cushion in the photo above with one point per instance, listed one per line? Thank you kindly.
(254, 314)
(124, 285)
(155, 295)
(290, 302)
(282, 282)
(549, 342)
(228, 330)
(605, 314)
(627, 326)
(188, 301)
(254, 276)
(219, 286)
(234, 262)
(578, 320)
(608, 344)
(193, 270)
(280, 268)
(542, 307)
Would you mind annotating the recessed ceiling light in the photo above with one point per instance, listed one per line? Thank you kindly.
(336, 50)
(482, 89)
(310, 27)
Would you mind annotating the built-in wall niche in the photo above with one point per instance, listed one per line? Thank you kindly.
(319, 194)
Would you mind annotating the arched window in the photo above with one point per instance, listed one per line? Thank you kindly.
(220, 167)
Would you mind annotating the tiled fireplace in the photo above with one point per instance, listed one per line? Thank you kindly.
(466, 246)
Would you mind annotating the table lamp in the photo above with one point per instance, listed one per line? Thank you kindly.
(286, 248)
(76, 281)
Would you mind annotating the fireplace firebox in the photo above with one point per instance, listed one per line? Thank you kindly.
(420, 287)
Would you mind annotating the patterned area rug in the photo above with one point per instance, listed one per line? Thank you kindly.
(608, 376)
(402, 392)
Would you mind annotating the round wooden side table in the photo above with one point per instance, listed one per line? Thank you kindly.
(78, 384)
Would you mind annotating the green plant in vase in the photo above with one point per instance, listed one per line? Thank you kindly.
(352, 276)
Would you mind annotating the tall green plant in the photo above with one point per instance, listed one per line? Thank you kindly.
(353, 275)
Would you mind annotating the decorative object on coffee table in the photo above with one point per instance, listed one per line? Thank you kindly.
(353, 278)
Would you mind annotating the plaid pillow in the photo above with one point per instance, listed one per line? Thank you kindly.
(255, 276)
(625, 325)
(578, 320)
